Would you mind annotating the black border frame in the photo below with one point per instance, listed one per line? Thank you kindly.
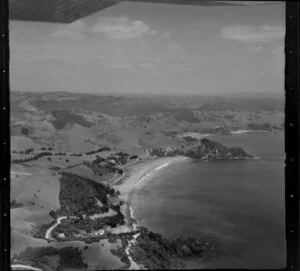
(4, 140)
(292, 128)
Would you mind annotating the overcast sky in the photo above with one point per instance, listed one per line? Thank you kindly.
(153, 48)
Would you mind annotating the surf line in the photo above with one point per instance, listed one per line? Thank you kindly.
(150, 173)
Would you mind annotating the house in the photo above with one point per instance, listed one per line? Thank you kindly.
(61, 236)
(98, 233)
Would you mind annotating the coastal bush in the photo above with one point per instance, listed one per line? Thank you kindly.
(100, 169)
(69, 257)
(78, 195)
(260, 126)
(120, 252)
(156, 252)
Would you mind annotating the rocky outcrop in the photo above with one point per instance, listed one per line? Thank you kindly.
(211, 150)
(204, 149)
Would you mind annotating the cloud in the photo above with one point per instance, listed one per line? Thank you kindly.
(67, 33)
(278, 51)
(179, 67)
(175, 48)
(122, 66)
(111, 27)
(254, 48)
(147, 65)
(252, 34)
(121, 28)
(279, 61)
(167, 35)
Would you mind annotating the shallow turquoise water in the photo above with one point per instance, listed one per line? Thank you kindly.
(239, 203)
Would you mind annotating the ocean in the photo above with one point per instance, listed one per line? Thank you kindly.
(238, 203)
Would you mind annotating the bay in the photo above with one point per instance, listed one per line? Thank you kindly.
(238, 203)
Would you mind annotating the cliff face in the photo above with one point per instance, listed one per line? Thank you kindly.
(206, 150)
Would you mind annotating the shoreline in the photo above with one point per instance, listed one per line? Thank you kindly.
(250, 131)
(136, 177)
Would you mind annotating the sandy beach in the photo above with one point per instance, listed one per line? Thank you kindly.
(137, 175)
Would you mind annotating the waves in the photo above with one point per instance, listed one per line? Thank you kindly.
(162, 166)
(142, 179)
(150, 173)
(247, 131)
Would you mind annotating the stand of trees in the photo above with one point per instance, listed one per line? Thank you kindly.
(35, 157)
(79, 195)
(69, 257)
(101, 149)
(156, 252)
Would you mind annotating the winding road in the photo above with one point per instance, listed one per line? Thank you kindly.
(133, 264)
(48, 232)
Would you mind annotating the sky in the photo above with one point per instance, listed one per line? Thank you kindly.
(153, 48)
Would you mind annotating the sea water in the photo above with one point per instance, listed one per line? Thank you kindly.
(238, 203)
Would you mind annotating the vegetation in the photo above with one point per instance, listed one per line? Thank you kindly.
(28, 151)
(119, 158)
(101, 149)
(190, 139)
(55, 168)
(120, 252)
(85, 228)
(156, 252)
(39, 231)
(63, 117)
(76, 154)
(79, 196)
(69, 257)
(184, 114)
(14, 204)
(61, 154)
(205, 150)
(101, 166)
(35, 157)
(264, 126)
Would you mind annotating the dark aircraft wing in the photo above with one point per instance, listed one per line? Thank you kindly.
(60, 11)
(67, 11)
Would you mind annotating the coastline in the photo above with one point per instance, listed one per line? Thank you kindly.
(136, 177)
(249, 131)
